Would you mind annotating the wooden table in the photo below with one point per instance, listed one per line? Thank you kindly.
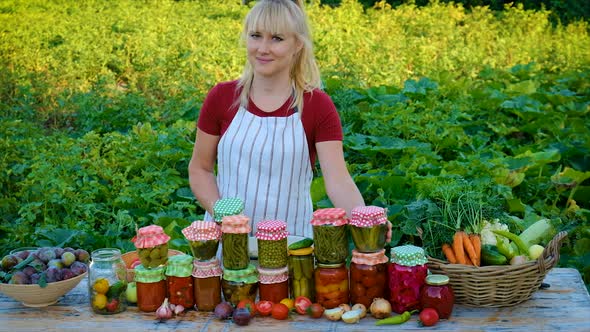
(563, 306)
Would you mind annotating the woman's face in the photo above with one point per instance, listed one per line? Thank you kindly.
(271, 54)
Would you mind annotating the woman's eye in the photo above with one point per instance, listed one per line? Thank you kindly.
(277, 38)
(254, 35)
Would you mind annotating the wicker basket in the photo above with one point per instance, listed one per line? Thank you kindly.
(498, 285)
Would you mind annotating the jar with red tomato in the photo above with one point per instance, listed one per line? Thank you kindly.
(151, 287)
(330, 235)
(368, 276)
(438, 294)
(407, 275)
(273, 284)
(207, 281)
(331, 285)
(179, 280)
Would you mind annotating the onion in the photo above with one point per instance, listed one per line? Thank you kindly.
(380, 308)
(345, 307)
(334, 314)
(361, 307)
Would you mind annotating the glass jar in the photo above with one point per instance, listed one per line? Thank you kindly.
(438, 294)
(152, 246)
(368, 228)
(179, 280)
(329, 235)
(234, 237)
(203, 238)
(407, 275)
(301, 269)
(368, 277)
(331, 285)
(207, 280)
(271, 237)
(240, 284)
(151, 287)
(107, 282)
(230, 206)
(273, 284)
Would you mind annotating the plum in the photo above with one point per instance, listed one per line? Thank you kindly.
(82, 255)
(223, 310)
(56, 262)
(52, 273)
(46, 254)
(58, 251)
(29, 270)
(9, 261)
(78, 268)
(67, 258)
(69, 249)
(20, 278)
(38, 264)
(66, 273)
(241, 316)
(23, 254)
(35, 278)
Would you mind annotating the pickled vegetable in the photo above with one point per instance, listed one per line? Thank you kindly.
(331, 285)
(331, 244)
(272, 253)
(301, 279)
(235, 251)
(234, 291)
(369, 239)
(153, 257)
(204, 250)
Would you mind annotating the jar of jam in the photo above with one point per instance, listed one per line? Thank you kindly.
(230, 206)
(203, 238)
(179, 280)
(301, 269)
(368, 277)
(273, 284)
(407, 275)
(234, 239)
(152, 246)
(329, 235)
(331, 285)
(240, 284)
(207, 280)
(438, 294)
(107, 282)
(151, 287)
(271, 237)
(368, 228)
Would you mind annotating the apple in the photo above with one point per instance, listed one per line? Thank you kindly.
(131, 292)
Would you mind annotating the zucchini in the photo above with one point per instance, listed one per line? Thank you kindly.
(540, 232)
(491, 256)
(304, 243)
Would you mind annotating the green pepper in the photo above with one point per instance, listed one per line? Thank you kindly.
(522, 248)
(505, 248)
(399, 319)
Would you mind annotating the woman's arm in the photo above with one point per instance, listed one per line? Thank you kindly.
(201, 170)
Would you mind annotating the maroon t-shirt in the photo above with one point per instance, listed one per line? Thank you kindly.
(320, 119)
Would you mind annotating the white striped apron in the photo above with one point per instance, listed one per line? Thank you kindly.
(265, 162)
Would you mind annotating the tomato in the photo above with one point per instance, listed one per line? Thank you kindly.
(315, 310)
(248, 304)
(113, 305)
(264, 307)
(301, 304)
(428, 317)
(280, 311)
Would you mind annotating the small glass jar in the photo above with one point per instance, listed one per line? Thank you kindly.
(240, 284)
(407, 275)
(203, 238)
(368, 228)
(273, 284)
(234, 237)
(368, 277)
(107, 282)
(151, 287)
(207, 280)
(152, 246)
(331, 285)
(329, 235)
(230, 206)
(438, 294)
(271, 238)
(179, 280)
(301, 269)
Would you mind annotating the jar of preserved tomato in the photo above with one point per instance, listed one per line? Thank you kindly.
(331, 285)
(151, 287)
(207, 280)
(368, 228)
(230, 206)
(240, 284)
(179, 280)
(368, 277)
(234, 239)
(301, 269)
(107, 282)
(271, 236)
(273, 284)
(438, 294)
(329, 235)
(203, 238)
(152, 246)
(407, 275)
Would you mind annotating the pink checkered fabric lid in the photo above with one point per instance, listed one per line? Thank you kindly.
(207, 269)
(202, 231)
(367, 216)
(235, 224)
(373, 258)
(150, 236)
(329, 216)
(271, 230)
(273, 276)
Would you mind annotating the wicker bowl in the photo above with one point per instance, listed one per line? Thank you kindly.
(130, 257)
(35, 296)
(498, 285)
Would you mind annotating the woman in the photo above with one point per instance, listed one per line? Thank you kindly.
(265, 130)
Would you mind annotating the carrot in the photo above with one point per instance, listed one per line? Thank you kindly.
(458, 247)
(449, 254)
(468, 246)
(476, 241)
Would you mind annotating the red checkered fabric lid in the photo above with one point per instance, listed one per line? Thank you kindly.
(235, 224)
(202, 231)
(367, 216)
(207, 269)
(150, 236)
(373, 258)
(273, 276)
(329, 216)
(271, 230)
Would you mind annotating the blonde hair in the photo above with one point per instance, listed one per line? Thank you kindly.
(280, 16)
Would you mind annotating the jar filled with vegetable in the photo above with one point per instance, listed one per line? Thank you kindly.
(240, 284)
(438, 294)
(234, 239)
(273, 284)
(331, 285)
(179, 280)
(107, 282)
(368, 228)
(407, 275)
(203, 238)
(301, 270)
(368, 277)
(151, 287)
(230, 206)
(152, 246)
(271, 238)
(207, 280)
(329, 235)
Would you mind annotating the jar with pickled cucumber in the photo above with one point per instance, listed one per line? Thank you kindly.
(207, 280)
(230, 206)
(107, 282)
(368, 277)
(330, 235)
(234, 239)
(179, 280)
(331, 285)
(203, 238)
(407, 275)
(151, 287)
(271, 237)
(368, 228)
(241, 284)
(301, 269)
(273, 284)
(152, 246)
